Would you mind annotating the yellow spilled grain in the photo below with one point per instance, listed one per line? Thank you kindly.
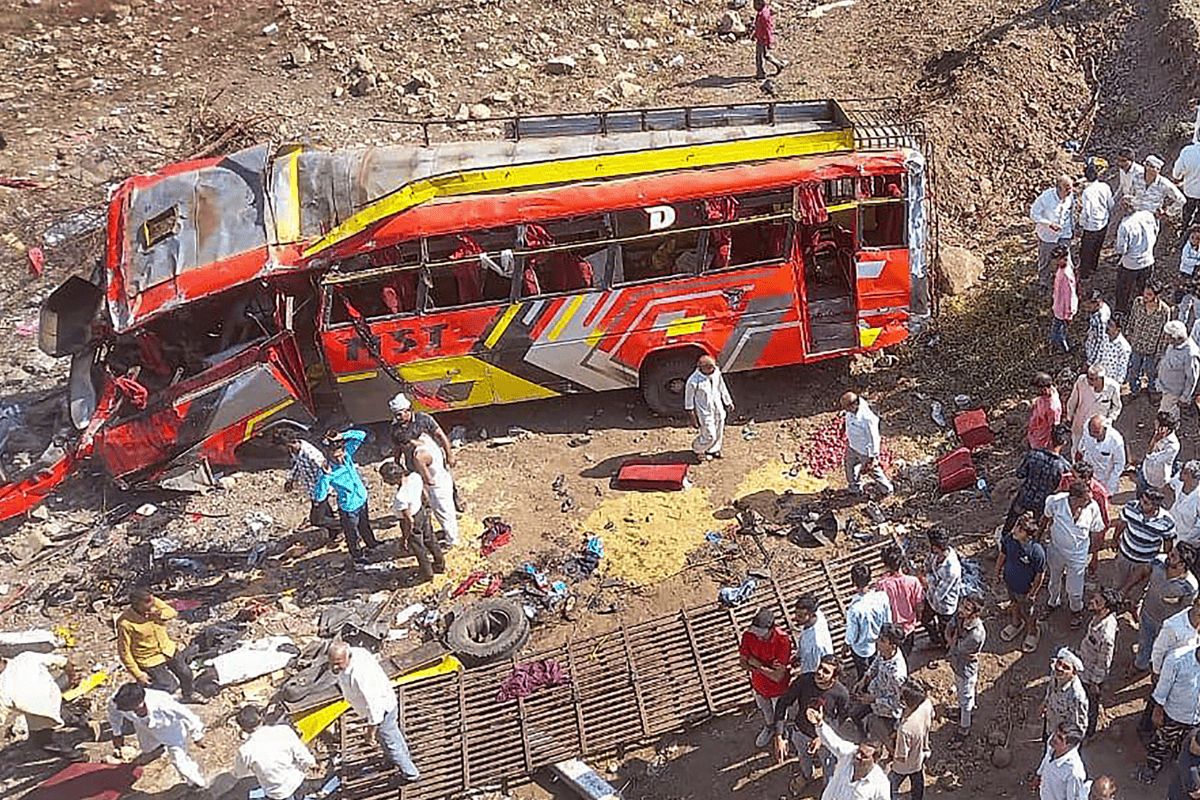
(648, 535)
(464, 559)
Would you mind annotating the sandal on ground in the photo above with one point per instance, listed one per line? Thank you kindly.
(1009, 633)
(1032, 640)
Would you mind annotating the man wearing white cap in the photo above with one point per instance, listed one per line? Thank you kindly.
(1178, 368)
(408, 424)
(1153, 192)
(1066, 703)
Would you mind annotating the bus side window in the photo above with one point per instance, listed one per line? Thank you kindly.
(382, 296)
(883, 224)
(477, 274)
(764, 241)
(667, 251)
(558, 269)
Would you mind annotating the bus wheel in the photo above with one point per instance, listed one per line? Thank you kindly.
(663, 378)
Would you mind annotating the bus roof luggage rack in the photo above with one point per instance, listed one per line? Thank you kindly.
(880, 124)
(815, 114)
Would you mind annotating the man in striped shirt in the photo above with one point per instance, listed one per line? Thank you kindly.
(1143, 531)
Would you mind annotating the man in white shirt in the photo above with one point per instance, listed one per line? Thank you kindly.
(273, 754)
(28, 687)
(1104, 448)
(1061, 774)
(1093, 393)
(1154, 193)
(429, 461)
(1183, 503)
(1115, 351)
(707, 399)
(1188, 310)
(1128, 171)
(416, 530)
(365, 686)
(857, 775)
(1095, 212)
(1178, 368)
(1051, 214)
(1073, 517)
(1176, 711)
(1187, 174)
(161, 723)
(1158, 466)
(1136, 236)
(1181, 629)
(863, 444)
(813, 642)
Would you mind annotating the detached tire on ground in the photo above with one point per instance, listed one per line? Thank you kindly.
(492, 628)
(663, 377)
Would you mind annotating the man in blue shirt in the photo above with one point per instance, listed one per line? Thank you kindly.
(1022, 566)
(868, 612)
(341, 475)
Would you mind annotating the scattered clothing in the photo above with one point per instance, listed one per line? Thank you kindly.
(530, 677)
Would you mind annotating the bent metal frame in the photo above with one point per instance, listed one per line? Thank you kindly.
(627, 687)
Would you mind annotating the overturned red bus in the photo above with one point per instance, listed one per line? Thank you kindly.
(573, 253)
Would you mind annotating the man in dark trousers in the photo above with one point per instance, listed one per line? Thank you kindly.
(1040, 471)
(820, 689)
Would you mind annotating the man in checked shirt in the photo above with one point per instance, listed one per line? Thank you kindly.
(308, 464)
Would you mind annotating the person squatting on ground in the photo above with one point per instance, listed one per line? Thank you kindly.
(869, 610)
(965, 636)
(911, 748)
(706, 398)
(1021, 566)
(416, 529)
(341, 475)
(272, 754)
(1096, 650)
(147, 650)
(864, 445)
(308, 465)
(161, 724)
(766, 653)
(943, 586)
(365, 686)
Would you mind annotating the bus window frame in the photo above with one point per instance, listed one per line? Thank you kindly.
(784, 258)
(860, 227)
(605, 281)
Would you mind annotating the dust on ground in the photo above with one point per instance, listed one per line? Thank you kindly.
(1010, 93)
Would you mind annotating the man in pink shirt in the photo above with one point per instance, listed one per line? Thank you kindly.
(905, 595)
(764, 40)
(1045, 414)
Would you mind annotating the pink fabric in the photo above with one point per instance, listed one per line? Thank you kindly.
(1045, 414)
(764, 27)
(905, 596)
(1066, 301)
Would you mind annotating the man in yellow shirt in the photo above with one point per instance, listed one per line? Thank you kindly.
(146, 648)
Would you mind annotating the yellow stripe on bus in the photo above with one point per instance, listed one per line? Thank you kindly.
(685, 325)
(585, 168)
(563, 318)
(593, 338)
(501, 325)
(260, 416)
(358, 376)
(288, 224)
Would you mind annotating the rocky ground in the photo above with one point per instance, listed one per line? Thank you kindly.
(1010, 95)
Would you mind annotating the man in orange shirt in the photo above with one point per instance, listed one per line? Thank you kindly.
(766, 652)
(146, 649)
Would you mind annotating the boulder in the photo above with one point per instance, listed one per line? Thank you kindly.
(961, 269)
(731, 22)
(561, 65)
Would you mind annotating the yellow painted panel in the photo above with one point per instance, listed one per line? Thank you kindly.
(565, 317)
(587, 168)
(501, 325)
(288, 225)
(310, 725)
(488, 381)
(260, 416)
(593, 338)
(86, 685)
(685, 325)
(358, 376)
(867, 336)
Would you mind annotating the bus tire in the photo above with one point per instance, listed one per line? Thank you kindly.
(493, 628)
(663, 377)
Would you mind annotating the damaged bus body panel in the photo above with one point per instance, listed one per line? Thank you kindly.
(577, 252)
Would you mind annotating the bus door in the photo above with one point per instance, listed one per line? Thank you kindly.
(882, 273)
(827, 250)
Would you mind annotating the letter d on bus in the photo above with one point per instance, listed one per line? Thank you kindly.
(660, 217)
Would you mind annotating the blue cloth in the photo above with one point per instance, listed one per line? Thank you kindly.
(1022, 564)
(392, 740)
(344, 478)
(865, 618)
